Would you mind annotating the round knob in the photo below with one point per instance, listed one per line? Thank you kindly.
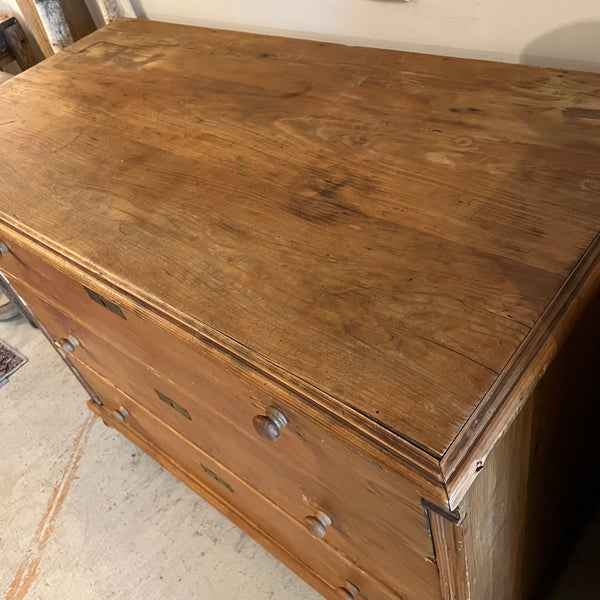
(3, 249)
(121, 414)
(68, 344)
(317, 524)
(348, 592)
(268, 426)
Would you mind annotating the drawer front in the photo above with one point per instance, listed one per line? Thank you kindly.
(271, 522)
(304, 472)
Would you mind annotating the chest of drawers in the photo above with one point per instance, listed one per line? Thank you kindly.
(347, 295)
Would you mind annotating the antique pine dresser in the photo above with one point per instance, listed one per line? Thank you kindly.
(347, 295)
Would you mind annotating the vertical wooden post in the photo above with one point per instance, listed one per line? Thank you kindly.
(450, 555)
(19, 45)
(56, 24)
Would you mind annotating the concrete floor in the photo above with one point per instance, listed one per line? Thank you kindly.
(85, 515)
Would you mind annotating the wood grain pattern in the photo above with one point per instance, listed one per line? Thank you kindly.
(314, 155)
(6, 20)
(307, 469)
(34, 321)
(36, 24)
(399, 252)
(510, 392)
(451, 558)
(271, 522)
(78, 18)
(19, 45)
(536, 486)
(6, 55)
(145, 335)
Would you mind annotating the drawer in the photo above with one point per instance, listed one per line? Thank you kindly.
(305, 471)
(241, 501)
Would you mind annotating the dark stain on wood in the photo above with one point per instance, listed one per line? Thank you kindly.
(322, 204)
(581, 113)
(301, 92)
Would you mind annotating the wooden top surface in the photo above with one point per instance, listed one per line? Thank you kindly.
(385, 226)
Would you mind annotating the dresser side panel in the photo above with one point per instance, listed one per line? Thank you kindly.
(534, 490)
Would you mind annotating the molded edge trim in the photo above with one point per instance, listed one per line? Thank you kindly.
(393, 450)
(467, 454)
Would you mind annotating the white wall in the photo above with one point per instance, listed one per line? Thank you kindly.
(7, 5)
(562, 33)
(551, 32)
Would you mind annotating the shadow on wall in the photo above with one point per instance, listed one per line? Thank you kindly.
(139, 9)
(574, 46)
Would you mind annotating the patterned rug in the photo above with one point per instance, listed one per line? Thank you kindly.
(10, 361)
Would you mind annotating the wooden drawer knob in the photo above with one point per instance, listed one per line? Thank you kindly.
(268, 426)
(69, 344)
(317, 524)
(348, 592)
(121, 414)
(3, 249)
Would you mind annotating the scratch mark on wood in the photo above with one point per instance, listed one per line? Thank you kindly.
(361, 81)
